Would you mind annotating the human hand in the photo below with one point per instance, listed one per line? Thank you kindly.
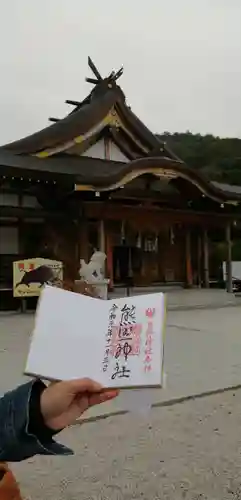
(62, 403)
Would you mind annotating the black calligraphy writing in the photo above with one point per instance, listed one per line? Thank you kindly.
(128, 315)
(120, 372)
(112, 317)
(124, 349)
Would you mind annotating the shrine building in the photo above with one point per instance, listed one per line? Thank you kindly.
(100, 179)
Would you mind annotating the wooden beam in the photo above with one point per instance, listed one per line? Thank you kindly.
(93, 68)
(92, 80)
(135, 194)
(119, 73)
(116, 211)
(30, 213)
(72, 103)
(54, 120)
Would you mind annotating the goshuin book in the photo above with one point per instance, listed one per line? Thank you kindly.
(118, 343)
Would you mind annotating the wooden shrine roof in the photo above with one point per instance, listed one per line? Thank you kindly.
(57, 150)
(104, 107)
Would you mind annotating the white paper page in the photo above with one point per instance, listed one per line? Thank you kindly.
(134, 341)
(117, 343)
(68, 337)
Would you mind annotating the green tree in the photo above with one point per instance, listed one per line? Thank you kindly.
(219, 159)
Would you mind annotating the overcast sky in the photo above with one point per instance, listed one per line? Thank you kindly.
(181, 58)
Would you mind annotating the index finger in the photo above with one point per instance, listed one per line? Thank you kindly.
(84, 385)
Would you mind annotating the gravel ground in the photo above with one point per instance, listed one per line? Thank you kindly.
(188, 451)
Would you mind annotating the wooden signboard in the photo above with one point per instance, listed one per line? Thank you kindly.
(30, 275)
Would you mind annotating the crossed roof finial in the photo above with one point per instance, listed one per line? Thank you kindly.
(114, 75)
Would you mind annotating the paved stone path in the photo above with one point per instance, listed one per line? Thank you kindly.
(185, 452)
(203, 353)
(186, 299)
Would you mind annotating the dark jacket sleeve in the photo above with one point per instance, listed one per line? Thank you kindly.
(22, 430)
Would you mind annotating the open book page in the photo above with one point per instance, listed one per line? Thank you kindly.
(117, 343)
(69, 336)
(134, 341)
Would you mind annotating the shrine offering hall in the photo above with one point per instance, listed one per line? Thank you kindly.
(100, 179)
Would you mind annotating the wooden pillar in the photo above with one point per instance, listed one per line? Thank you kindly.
(21, 238)
(229, 277)
(102, 243)
(199, 261)
(189, 275)
(83, 240)
(109, 252)
(205, 259)
(21, 230)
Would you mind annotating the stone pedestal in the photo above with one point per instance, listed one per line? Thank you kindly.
(100, 287)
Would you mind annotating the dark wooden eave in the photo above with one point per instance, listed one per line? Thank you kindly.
(104, 174)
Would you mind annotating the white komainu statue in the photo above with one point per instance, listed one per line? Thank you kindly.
(93, 272)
